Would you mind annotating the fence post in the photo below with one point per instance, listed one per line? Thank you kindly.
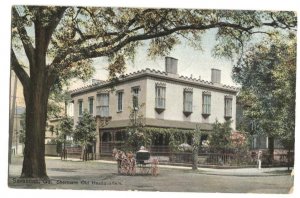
(259, 156)
(65, 154)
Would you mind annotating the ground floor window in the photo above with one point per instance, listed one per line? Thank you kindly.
(106, 137)
(121, 136)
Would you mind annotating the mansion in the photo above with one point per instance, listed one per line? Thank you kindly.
(169, 101)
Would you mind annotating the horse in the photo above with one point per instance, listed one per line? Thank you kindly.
(126, 162)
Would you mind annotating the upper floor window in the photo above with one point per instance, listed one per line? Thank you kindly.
(206, 104)
(120, 100)
(135, 96)
(70, 108)
(228, 107)
(80, 107)
(160, 98)
(91, 105)
(187, 101)
(103, 105)
(51, 129)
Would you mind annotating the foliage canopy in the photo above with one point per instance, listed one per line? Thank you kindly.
(267, 74)
(65, 128)
(85, 131)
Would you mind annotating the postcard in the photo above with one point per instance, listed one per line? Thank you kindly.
(152, 99)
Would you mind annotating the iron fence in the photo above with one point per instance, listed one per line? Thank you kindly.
(166, 155)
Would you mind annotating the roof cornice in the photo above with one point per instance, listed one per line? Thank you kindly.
(155, 74)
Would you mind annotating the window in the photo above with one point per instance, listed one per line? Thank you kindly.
(135, 97)
(103, 105)
(160, 98)
(228, 107)
(21, 136)
(91, 105)
(70, 109)
(187, 102)
(80, 107)
(206, 104)
(51, 129)
(120, 101)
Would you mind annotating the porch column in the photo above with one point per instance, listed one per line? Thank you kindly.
(98, 137)
(113, 134)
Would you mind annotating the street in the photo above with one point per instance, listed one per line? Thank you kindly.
(102, 175)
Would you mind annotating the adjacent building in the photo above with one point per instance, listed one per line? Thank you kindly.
(18, 134)
(169, 101)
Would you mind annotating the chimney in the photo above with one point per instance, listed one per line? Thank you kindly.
(171, 65)
(215, 76)
(95, 81)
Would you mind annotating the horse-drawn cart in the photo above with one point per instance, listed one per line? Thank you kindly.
(143, 161)
(127, 163)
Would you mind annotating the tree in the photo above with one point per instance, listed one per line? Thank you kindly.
(60, 43)
(267, 74)
(56, 102)
(195, 147)
(85, 132)
(219, 140)
(137, 137)
(65, 129)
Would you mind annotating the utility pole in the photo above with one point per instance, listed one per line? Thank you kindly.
(17, 130)
(12, 113)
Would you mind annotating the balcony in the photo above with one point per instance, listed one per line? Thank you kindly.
(187, 108)
(160, 105)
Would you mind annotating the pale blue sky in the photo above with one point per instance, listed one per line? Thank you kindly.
(190, 61)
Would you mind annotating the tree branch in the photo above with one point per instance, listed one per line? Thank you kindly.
(19, 70)
(106, 48)
(166, 32)
(55, 19)
(93, 51)
(119, 35)
(25, 39)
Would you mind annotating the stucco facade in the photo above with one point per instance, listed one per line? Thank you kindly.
(175, 98)
(112, 91)
(146, 81)
(164, 98)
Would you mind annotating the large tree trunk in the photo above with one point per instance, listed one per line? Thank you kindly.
(36, 84)
(36, 114)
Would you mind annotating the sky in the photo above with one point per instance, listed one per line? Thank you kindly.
(190, 61)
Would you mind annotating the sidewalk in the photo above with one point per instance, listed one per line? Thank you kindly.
(212, 171)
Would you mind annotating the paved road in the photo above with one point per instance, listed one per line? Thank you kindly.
(102, 175)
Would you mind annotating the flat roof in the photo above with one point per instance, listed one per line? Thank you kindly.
(156, 74)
